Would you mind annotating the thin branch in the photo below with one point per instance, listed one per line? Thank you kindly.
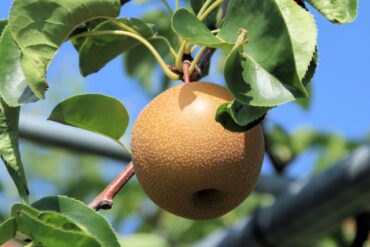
(105, 199)
(196, 59)
(275, 161)
(203, 16)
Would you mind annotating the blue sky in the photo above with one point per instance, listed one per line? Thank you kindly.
(341, 86)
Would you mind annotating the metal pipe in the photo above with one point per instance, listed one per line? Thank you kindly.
(303, 215)
(50, 133)
(39, 130)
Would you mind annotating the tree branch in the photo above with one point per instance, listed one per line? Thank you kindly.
(105, 199)
(278, 164)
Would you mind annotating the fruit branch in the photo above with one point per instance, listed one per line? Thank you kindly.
(210, 9)
(204, 7)
(105, 199)
(180, 55)
(196, 59)
(121, 25)
(162, 63)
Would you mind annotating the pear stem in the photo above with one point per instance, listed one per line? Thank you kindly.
(105, 199)
(185, 70)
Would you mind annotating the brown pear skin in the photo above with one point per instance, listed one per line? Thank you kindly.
(188, 163)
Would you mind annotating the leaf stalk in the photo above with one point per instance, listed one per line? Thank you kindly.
(162, 63)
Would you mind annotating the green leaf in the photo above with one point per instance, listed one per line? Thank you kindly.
(334, 150)
(39, 27)
(337, 11)
(193, 30)
(44, 234)
(98, 113)
(145, 64)
(51, 218)
(85, 217)
(304, 40)
(23, 207)
(251, 84)
(9, 147)
(97, 51)
(239, 117)
(14, 87)
(281, 145)
(8, 229)
(277, 43)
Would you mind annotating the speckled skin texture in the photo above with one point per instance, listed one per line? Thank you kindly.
(186, 162)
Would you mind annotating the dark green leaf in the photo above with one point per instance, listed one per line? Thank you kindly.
(162, 21)
(311, 68)
(14, 88)
(305, 103)
(9, 147)
(8, 229)
(3, 23)
(337, 11)
(39, 27)
(239, 117)
(145, 64)
(277, 42)
(97, 51)
(85, 217)
(44, 234)
(94, 112)
(193, 30)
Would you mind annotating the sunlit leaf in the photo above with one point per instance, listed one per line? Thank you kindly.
(193, 30)
(44, 234)
(8, 229)
(39, 27)
(14, 87)
(251, 84)
(94, 112)
(9, 147)
(51, 218)
(276, 42)
(85, 217)
(337, 11)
